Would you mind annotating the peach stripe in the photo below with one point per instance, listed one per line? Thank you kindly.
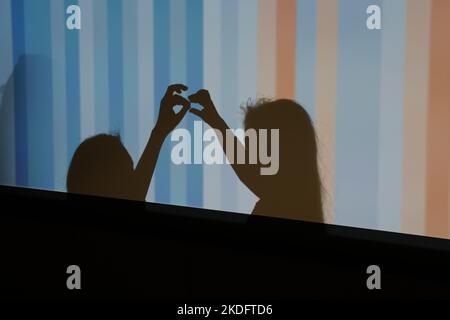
(418, 14)
(438, 150)
(286, 31)
(327, 20)
(266, 48)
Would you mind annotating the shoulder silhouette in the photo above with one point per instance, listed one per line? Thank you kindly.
(102, 166)
(295, 191)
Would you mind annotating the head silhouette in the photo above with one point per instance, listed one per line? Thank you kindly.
(101, 166)
(295, 191)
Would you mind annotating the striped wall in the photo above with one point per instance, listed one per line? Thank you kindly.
(378, 99)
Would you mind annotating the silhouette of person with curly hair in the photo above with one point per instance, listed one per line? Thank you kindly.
(294, 192)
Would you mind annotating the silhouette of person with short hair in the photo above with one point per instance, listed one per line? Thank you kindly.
(102, 166)
(294, 192)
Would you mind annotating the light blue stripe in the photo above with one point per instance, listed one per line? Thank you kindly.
(7, 128)
(357, 116)
(247, 75)
(194, 81)
(130, 75)
(146, 79)
(247, 52)
(306, 54)
(212, 79)
(161, 42)
(59, 95)
(115, 66)
(391, 115)
(39, 93)
(178, 23)
(87, 102)
(101, 71)
(230, 100)
(178, 43)
(72, 87)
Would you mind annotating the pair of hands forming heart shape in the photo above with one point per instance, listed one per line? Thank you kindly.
(168, 119)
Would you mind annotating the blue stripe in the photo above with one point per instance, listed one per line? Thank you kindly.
(357, 113)
(306, 54)
(39, 93)
(162, 78)
(6, 61)
(72, 87)
(7, 139)
(230, 99)
(20, 97)
(194, 60)
(115, 64)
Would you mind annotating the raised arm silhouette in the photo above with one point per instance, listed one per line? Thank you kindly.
(102, 166)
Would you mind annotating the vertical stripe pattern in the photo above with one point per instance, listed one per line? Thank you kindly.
(378, 98)
(357, 116)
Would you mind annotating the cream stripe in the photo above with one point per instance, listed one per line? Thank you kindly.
(266, 48)
(327, 21)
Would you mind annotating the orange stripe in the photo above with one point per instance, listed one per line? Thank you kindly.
(286, 31)
(439, 122)
(418, 14)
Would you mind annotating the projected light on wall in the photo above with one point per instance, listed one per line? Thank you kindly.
(379, 99)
